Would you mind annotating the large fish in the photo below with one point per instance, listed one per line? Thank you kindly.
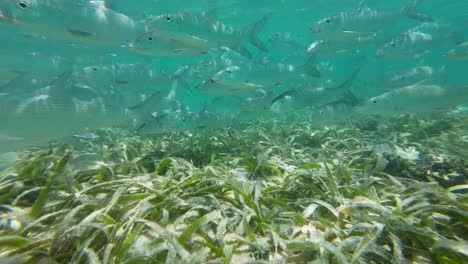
(415, 99)
(416, 41)
(127, 77)
(202, 31)
(51, 112)
(331, 48)
(79, 20)
(363, 22)
(303, 97)
(225, 83)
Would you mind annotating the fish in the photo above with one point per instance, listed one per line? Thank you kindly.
(414, 75)
(127, 77)
(259, 102)
(312, 96)
(223, 83)
(340, 110)
(51, 112)
(152, 44)
(83, 21)
(458, 53)
(419, 98)
(415, 41)
(156, 102)
(201, 30)
(330, 48)
(206, 68)
(363, 22)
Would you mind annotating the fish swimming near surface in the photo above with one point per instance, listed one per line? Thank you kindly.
(363, 22)
(202, 31)
(84, 21)
(417, 41)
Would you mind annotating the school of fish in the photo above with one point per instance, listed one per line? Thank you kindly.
(154, 66)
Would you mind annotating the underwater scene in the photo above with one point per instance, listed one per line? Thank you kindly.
(233, 131)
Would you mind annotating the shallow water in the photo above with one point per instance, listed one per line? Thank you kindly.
(233, 131)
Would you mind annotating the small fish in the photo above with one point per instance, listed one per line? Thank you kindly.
(458, 53)
(363, 22)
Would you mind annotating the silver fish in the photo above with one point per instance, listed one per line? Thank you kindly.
(363, 22)
(458, 53)
(224, 83)
(81, 20)
(201, 31)
(415, 41)
(415, 99)
(303, 97)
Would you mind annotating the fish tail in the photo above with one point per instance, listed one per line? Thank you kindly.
(411, 12)
(310, 68)
(180, 81)
(346, 85)
(253, 30)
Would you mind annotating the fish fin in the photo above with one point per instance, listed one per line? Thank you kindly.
(310, 68)
(140, 127)
(346, 85)
(254, 29)
(410, 11)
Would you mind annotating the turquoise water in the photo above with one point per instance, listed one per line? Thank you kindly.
(49, 89)
(292, 131)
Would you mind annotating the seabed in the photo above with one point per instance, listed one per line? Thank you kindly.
(374, 190)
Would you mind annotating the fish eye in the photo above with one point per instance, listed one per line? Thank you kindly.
(327, 21)
(23, 5)
(205, 65)
(168, 19)
(150, 38)
(94, 69)
(212, 81)
(374, 101)
(392, 44)
(229, 71)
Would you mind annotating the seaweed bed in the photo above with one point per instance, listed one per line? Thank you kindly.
(367, 191)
